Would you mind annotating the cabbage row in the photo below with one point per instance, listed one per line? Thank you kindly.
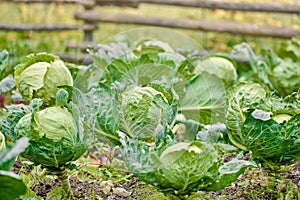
(175, 116)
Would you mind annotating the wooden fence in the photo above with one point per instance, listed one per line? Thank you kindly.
(89, 18)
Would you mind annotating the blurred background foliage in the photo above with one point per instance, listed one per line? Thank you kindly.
(23, 43)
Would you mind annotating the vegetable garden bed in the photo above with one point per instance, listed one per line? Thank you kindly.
(148, 121)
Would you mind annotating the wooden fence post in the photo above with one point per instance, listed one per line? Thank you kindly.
(89, 34)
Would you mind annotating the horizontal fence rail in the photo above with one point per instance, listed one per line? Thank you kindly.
(214, 4)
(235, 6)
(86, 3)
(228, 27)
(56, 27)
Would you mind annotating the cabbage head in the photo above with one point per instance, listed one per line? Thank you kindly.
(40, 76)
(142, 111)
(54, 137)
(265, 124)
(221, 66)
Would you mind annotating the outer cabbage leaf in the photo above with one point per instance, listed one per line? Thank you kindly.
(228, 173)
(145, 69)
(8, 156)
(5, 68)
(98, 111)
(203, 99)
(7, 84)
(88, 77)
(290, 48)
(105, 53)
(2, 142)
(280, 74)
(152, 46)
(12, 116)
(283, 73)
(11, 186)
(4, 55)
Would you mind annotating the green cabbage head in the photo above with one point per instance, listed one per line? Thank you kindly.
(142, 111)
(40, 76)
(55, 140)
(265, 124)
(221, 66)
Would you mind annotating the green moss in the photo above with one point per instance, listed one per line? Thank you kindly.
(147, 192)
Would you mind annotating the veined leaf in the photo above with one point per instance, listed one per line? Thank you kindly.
(11, 186)
(4, 56)
(88, 77)
(204, 99)
(144, 70)
(13, 114)
(105, 53)
(8, 156)
(7, 84)
(229, 172)
(97, 110)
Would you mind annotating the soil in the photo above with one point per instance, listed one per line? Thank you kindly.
(255, 183)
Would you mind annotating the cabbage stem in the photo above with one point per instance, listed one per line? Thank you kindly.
(65, 184)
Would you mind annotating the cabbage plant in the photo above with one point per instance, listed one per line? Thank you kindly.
(200, 96)
(136, 111)
(181, 168)
(266, 125)
(279, 69)
(56, 136)
(40, 76)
